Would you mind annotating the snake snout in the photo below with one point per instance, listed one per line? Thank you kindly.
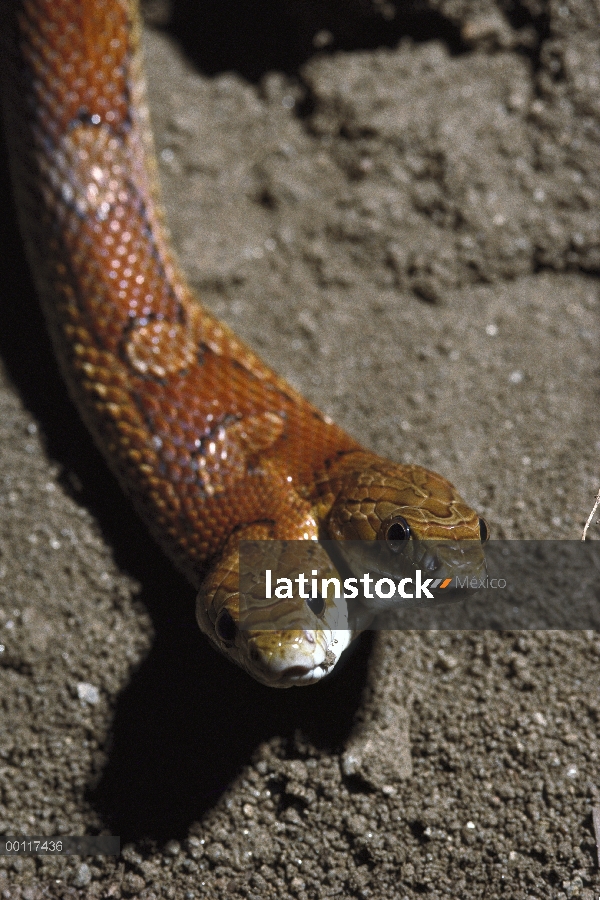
(288, 658)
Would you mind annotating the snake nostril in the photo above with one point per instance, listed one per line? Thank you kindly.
(430, 563)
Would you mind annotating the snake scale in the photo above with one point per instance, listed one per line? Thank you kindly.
(210, 444)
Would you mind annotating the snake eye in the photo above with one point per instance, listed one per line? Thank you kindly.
(316, 604)
(484, 531)
(396, 531)
(225, 627)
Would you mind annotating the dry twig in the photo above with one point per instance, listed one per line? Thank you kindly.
(596, 821)
(591, 516)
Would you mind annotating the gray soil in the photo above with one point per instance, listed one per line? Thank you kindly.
(398, 208)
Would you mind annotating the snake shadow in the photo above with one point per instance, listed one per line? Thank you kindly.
(188, 720)
(253, 37)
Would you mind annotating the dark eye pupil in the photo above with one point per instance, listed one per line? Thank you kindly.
(225, 626)
(484, 531)
(398, 531)
(316, 604)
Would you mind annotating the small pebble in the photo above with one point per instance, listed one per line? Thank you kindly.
(83, 876)
(88, 693)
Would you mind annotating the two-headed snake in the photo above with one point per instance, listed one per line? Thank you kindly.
(211, 445)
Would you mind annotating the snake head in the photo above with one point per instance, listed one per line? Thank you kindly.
(392, 520)
(277, 636)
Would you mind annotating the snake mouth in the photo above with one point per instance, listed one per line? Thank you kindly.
(297, 673)
(292, 676)
(301, 675)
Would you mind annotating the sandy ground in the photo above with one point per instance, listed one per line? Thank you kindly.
(410, 234)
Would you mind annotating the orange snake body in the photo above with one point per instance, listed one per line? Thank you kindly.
(210, 444)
